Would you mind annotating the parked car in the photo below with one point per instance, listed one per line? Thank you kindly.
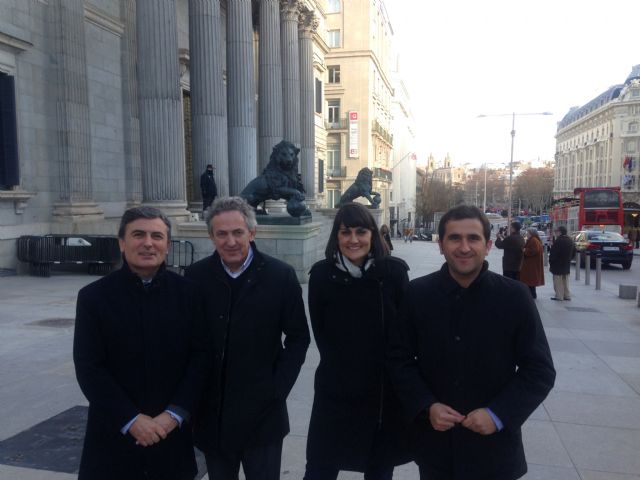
(613, 247)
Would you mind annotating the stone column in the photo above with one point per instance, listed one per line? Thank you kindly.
(130, 115)
(72, 109)
(208, 116)
(308, 25)
(160, 108)
(290, 10)
(270, 81)
(240, 96)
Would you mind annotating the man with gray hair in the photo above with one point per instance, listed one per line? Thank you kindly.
(252, 301)
(141, 356)
(560, 255)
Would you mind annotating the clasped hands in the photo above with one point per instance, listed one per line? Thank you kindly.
(148, 431)
(443, 417)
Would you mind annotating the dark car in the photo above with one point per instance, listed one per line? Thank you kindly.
(612, 246)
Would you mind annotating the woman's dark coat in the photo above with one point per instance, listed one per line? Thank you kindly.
(244, 404)
(560, 255)
(353, 398)
(139, 350)
(452, 345)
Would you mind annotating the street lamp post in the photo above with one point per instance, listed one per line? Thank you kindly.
(513, 136)
(484, 196)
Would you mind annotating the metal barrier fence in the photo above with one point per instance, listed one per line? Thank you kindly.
(180, 255)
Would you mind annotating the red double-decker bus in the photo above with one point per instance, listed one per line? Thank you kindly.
(598, 208)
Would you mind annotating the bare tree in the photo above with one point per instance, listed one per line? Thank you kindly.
(534, 189)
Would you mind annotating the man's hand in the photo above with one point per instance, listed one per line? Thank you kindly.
(146, 431)
(166, 421)
(479, 421)
(443, 417)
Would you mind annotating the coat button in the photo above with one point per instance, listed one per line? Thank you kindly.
(457, 338)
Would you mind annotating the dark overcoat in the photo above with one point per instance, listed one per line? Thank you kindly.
(560, 255)
(353, 400)
(208, 186)
(139, 350)
(512, 257)
(532, 271)
(244, 403)
(479, 347)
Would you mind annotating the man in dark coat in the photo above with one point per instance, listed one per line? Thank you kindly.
(208, 188)
(252, 300)
(141, 356)
(513, 246)
(468, 373)
(560, 255)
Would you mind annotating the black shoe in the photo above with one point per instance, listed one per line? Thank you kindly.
(567, 299)
(557, 299)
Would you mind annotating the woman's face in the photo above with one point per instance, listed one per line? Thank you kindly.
(354, 243)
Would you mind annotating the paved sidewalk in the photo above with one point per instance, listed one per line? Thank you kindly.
(588, 428)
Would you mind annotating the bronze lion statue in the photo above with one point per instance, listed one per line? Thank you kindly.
(362, 187)
(279, 179)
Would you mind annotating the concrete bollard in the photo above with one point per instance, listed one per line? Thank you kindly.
(577, 265)
(628, 292)
(545, 256)
(598, 271)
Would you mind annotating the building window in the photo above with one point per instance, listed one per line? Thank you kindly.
(333, 198)
(633, 127)
(631, 146)
(333, 114)
(318, 96)
(333, 38)
(334, 73)
(334, 162)
(9, 162)
(333, 6)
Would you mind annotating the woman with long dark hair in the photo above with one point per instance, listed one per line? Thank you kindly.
(356, 422)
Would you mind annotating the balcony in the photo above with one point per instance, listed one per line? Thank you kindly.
(336, 171)
(383, 174)
(341, 124)
(379, 130)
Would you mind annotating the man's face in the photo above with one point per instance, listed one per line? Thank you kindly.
(232, 238)
(464, 248)
(145, 245)
(210, 171)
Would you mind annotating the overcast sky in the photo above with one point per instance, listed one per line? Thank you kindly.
(462, 58)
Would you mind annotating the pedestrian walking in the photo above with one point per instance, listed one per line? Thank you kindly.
(560, 255)
(141, 356)
(356, 421)
(513, 245)
(208, 188)
(260, 337)
(469, 374)
(532, 271)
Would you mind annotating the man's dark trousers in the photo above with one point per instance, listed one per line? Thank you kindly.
(258, 463)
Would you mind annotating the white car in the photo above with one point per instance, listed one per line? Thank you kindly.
(543, 238)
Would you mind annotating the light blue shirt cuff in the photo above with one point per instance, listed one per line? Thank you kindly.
(496, 420)
(126, 428)
(176, 417)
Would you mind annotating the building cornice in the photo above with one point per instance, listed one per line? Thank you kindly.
(103, 20)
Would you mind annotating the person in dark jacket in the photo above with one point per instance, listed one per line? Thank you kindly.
(356, 422)
(386, 236)
(252, 301)
(469, 374)
(513, 246)
(208, 188)
(560, 255)
(141, 357)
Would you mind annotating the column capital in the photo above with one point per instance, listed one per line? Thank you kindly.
(308, 23)
(290, 9)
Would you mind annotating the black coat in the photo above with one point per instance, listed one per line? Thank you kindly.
(560, 255)
(253, 372)
(208, 186)
(353, 400)
(139, 350)
(479, 347)
(513, 246)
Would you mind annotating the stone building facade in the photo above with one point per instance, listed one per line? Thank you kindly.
(598, 144)
(108, 104)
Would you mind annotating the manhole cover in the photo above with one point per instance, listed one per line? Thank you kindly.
(54, 322)
(582, 309)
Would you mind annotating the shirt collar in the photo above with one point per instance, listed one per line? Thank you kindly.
(243, 268)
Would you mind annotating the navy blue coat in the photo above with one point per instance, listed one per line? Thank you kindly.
(139, 350)
(483, 346)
